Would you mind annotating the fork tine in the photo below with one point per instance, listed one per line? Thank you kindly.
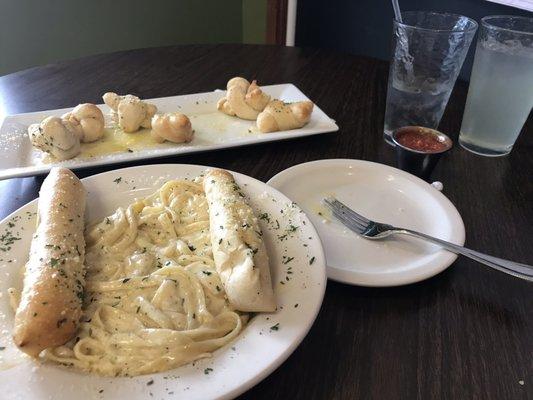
(339, 207)
(346, 210)
(349, 223)
(351, 212)
(345, 218)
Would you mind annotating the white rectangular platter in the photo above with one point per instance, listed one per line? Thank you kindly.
(213, 130)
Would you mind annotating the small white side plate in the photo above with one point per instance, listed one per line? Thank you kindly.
(383, 194)
(299, 285)
(213, 130)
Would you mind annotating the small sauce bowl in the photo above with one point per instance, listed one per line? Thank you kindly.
(418, 149)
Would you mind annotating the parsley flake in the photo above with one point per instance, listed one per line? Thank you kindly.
(275, 327)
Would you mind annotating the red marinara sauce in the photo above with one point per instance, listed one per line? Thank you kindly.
(422, 139)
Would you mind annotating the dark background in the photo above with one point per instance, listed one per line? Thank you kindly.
(364, 26)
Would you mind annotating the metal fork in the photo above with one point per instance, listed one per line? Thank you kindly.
(375, 230)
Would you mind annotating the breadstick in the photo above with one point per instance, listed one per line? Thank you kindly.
(240, 255)
(50, 305)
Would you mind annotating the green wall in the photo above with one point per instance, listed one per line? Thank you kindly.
(34, 32)
(254, 21)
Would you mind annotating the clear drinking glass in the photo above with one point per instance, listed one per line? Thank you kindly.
(428, 51)
(500, 96)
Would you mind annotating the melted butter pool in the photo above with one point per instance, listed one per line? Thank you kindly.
(115, 140)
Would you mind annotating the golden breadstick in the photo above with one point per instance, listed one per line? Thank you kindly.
(50, 306)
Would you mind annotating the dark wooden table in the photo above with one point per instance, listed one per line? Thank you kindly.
(464, 334)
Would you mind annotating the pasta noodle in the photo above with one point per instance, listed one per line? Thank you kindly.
(153, 299)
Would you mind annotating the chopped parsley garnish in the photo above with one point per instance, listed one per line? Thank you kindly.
(275, 327)
(118, 180)
(207, 273)
(54, 262)
(312, 260)
(7, 239)
(292, 228)
(208, 370)
(125, 280)
(150, 382)
(265, 217)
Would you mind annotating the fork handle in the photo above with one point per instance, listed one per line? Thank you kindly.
(509, 267)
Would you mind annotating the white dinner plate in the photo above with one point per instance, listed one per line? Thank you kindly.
(234, 368)
(213, 130)
(384, 194)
